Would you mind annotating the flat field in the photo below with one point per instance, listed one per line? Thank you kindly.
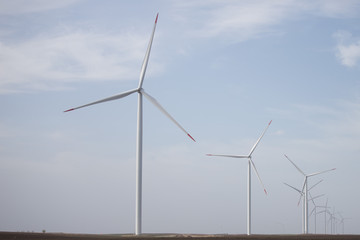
(68, 236)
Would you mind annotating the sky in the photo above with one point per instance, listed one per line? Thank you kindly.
(222, 69)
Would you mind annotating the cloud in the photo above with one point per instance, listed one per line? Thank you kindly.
(347, 49)
(48, 61)
(243, 20)
(16, 7)
(332, 8)
(335, 125)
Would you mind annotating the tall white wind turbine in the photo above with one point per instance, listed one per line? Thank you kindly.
(305, 192)
(141, 93)
(250, 163)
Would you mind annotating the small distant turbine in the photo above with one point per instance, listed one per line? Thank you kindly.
(305, 192)
(250, 163)
(141, 92)
(301, 195)
(315, 208)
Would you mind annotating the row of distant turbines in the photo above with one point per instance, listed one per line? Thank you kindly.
(332, 220)
(141, 92)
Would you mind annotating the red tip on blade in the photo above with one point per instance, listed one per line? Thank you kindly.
(265, 191)
(270, 122)
(69, 110)
(208, 154)
(191, 137)
(157, 15)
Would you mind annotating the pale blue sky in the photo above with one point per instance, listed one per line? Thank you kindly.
(223, 69)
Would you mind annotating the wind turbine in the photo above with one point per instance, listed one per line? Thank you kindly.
(332, 221)
(305, 192)
(342, 222)
(301, 195)
(250, 163)
(315, 207)
(325, 211)
(141, 92)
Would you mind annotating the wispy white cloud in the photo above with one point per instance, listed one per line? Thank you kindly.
(23, 6)
(333, 8)
(243, 20)
(46, 62)
(347, 49)
(335, 125)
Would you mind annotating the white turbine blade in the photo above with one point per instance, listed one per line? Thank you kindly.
(312, 211)
(294, 188)
(315, 185)
(257, 142)
(295, 165)
(157, 104)
(223, 155)
(146, 58)
(257, 174)
(121, 95)
(302, 190)
(312, 198)
(313, 174)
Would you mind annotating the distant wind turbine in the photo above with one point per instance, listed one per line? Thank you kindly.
(305, 192)
(342, 222)
(250, 163)
(315, 207)
(141, 93)
(301, 195)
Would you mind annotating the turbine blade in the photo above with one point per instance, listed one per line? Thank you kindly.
(315, 184)
(147, 55)
(302, 190)
(313, 174)
(295, 165)
(121, 95)
(231, 156)
(312, 199)
(293, 188)
(312, 211)
(317, 197)
(257, 142)
(257, 174)
(157, 104)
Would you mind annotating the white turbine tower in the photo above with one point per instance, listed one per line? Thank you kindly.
(250, 163)
(141, 93)
(305, 192)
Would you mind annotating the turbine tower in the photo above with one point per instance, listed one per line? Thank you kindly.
(250, 163)
(141, 93)
(305, 192)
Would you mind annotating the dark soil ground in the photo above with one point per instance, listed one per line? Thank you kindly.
(67, 236)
